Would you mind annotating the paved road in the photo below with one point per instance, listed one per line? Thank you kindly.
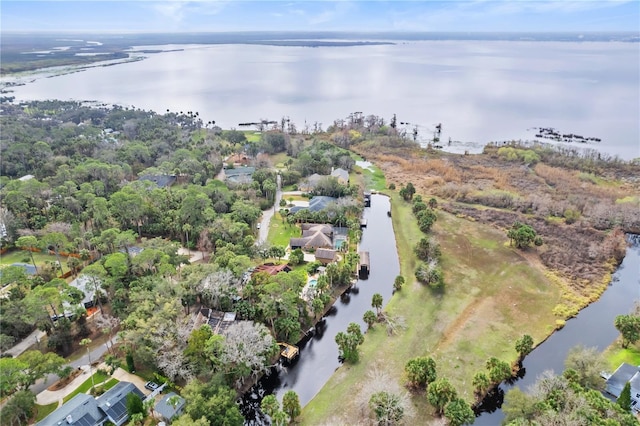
(268, 214)
(96, 353)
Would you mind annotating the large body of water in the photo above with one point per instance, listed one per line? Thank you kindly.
(480, 91)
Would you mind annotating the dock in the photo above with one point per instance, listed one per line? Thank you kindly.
(288, 352)
(363, 265)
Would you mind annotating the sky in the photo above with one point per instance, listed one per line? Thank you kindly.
(372, 15)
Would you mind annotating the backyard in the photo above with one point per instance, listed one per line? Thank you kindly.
(23, 256)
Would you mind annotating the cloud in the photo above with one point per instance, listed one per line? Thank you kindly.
(181, 10)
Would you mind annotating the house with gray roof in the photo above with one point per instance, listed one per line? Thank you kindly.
(238, 175)
(87, 285)
(163, 181)
(616, 382)
(342, 175)
(316, 204)
(170, 406)
(81, 410)
(114, 402)
(85, 410)
(310, 182)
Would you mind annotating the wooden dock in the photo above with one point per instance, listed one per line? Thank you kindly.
(288, 352)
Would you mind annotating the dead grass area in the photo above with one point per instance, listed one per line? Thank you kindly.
(497, 192)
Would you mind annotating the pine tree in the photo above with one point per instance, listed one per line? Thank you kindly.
(624, 400)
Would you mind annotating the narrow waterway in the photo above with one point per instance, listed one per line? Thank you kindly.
(319, 355)
(592, 327)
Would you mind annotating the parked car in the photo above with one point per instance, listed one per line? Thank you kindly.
(151, 386)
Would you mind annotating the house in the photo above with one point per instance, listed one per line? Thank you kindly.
(87, 285)
(325, 256)
(310, 183)
(314, 236)
(162, 181)
(238, 160)
(309, 229)
(82, 410)
(114, 402)
(170, 406)
(272, 269)
(238, 175)
(342, 175)
(218, 321)
(616, 382)
(26, 178)
(316, 204)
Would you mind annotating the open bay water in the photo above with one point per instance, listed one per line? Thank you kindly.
(480, 90)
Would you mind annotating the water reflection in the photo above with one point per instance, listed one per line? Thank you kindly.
(481, 91)
(319, 353)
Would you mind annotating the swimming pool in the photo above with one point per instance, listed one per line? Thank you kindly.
(337, 244)
(313, 283)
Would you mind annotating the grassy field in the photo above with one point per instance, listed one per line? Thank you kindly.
(279, 233)
(492, 297)
(43, 411)
(616, 355)
(371, 179)
(98, 378)
(22, 256)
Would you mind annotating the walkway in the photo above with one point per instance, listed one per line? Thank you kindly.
(48, 397)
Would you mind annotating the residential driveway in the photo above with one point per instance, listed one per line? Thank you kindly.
(125, 376)
(25, 343)
(47, 397)
(268, 214)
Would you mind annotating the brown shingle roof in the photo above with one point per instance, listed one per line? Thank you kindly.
(325, 254)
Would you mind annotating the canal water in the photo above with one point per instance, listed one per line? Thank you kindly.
(319, 355)
(592, 327)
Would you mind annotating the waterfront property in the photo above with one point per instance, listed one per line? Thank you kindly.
(616, 382)
(218, 321)
(314, 236)
(325, 256)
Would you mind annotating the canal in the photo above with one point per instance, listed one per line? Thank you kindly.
(592, 327)
(319, 355)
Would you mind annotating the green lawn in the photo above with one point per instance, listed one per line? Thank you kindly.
(43, 411)
(252, 135)
(22, 256)
(279, 233)
(109, 384)
(492, 297)
(616, 355)
(98, 378)
(372, 179)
